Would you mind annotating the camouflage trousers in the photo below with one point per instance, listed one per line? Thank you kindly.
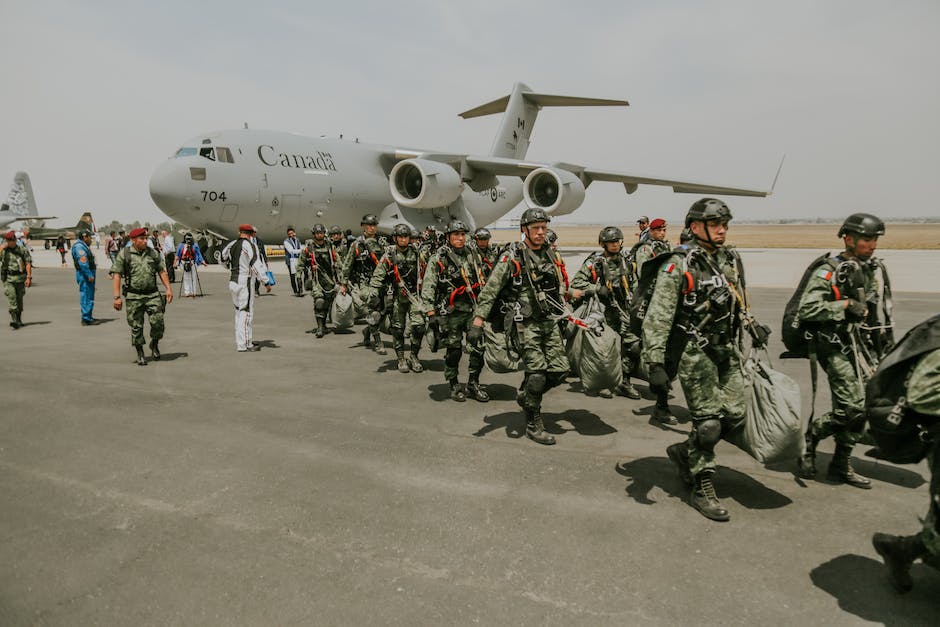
(713, 384)
(453, 328)
(139, 305)
(931, 532)
(847, 388)
(15, 290)
(628, 339)
(406, 315)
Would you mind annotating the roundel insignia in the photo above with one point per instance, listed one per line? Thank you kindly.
(493, 194)
(274, 202)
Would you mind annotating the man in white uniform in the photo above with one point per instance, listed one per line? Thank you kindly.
(292, 248)
(246, 265)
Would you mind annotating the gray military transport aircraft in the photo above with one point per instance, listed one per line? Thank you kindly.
(275, 179)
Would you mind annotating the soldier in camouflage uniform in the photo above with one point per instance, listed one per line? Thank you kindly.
(339, 241)
(535, 286)
(16, 268)
(921, 395)
(694, 318)
(321, 258)
(835, 303)
(135, 272)
(449, 290)
(486, 253)
(605, 274)
(360, 262)
(399, 270)
(655, 245)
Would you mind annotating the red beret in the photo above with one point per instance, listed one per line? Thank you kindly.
(137, 232)
(657, 223)
(246, 228)
(9, 235)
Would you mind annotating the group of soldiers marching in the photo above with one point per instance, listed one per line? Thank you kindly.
(681, 313)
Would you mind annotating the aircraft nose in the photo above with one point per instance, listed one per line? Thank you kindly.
(168, 187)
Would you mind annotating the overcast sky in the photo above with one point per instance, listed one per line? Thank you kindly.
(97, 94)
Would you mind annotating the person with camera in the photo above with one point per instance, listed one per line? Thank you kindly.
(188, 258)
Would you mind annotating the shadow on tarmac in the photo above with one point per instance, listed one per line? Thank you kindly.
(169, 357)
(860, 585)
(513, 422)
(876, 471)
(582, 421)
(647, 473)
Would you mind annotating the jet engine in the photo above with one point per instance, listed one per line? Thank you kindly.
(556, 191)
(424, 184)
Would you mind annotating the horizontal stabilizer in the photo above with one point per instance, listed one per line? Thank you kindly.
(542, 100)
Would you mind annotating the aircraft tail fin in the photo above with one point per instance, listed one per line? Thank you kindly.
(522, 107)
(21, 203)
(86, 222)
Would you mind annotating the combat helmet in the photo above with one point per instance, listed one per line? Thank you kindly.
(401, 230)
(609, 234)
(318, 228)
(454, 226)
(335, 230)
(369, 219)
(864, 224)
(707, 209)
(551, 236)
(482, 233)
(532, 215)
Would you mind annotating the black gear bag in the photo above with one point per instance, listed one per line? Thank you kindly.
(903, 436)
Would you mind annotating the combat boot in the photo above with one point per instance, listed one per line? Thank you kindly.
(535, 430)
(840, 469)
(141, 360)
(679, 455)
(664, 416)
(321, 326)
(626, 389)
(806, 463)
(476, 391)
(378, 344)
(456, 391)
(367, 338)
(414, 363)
(899, 553)
(705, 500)
(15, 321)
(402, 364)
(154, 349)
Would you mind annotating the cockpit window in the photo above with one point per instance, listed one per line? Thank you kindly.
(208, 152)
(185, 152)
(224, 155)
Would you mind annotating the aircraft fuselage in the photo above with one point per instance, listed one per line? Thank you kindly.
(274, 180)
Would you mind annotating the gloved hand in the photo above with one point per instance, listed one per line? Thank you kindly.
(475, 335)
(602, 292)
(659, 380)
(759, 335)
(855, 311)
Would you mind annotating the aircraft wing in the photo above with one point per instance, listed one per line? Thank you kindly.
(512, 167)
(471, 166)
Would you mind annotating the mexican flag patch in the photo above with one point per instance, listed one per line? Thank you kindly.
(669, 268)
(824, 274)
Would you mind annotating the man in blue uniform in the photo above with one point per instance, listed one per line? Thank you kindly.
(85, 267)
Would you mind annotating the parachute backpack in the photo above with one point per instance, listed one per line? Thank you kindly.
(903, 435)
(794, 331)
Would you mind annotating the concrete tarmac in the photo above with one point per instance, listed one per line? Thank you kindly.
(312, 484)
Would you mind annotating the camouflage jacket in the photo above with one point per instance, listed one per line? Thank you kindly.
(612, 272)
(400, 269)
(360, 261)
(145, 265)
(452, 280)
(648, 250)
(839, 278)
(14, 260)
(697, 293)
(323, 261)
(533, 279)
